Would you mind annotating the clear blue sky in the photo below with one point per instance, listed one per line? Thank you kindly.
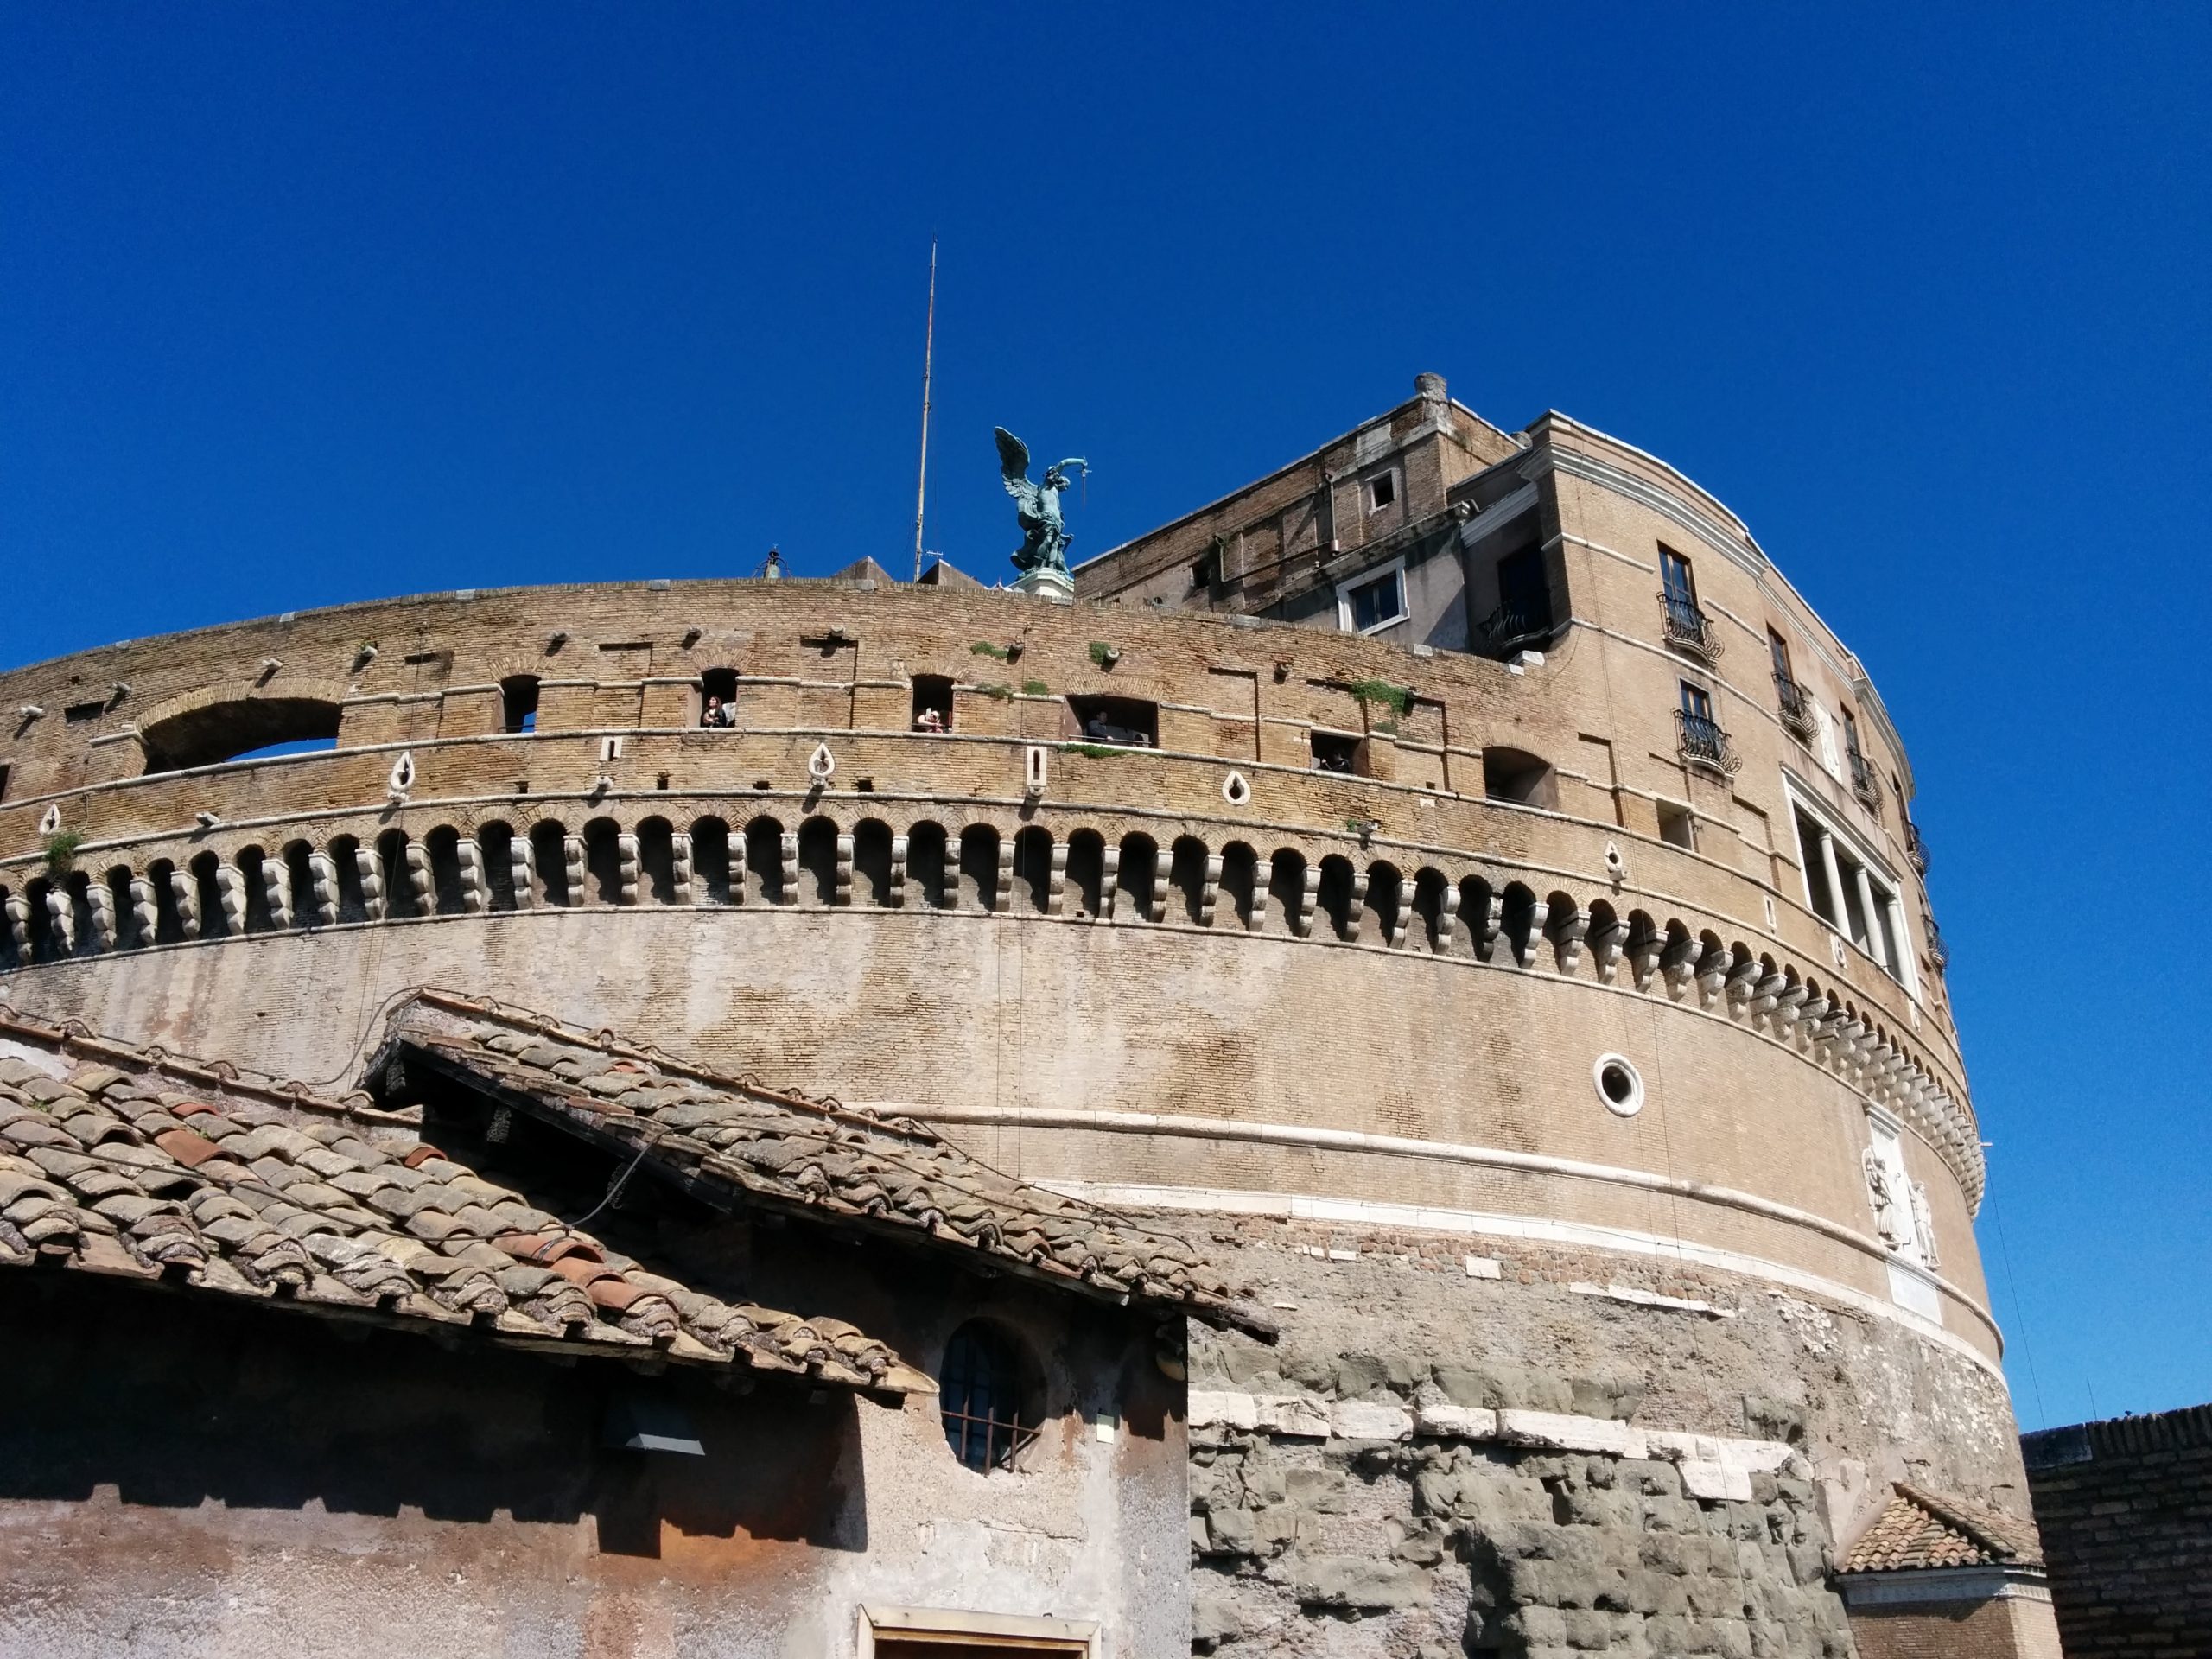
(301, 304)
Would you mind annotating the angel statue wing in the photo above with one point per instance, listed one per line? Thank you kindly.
(1014, 459)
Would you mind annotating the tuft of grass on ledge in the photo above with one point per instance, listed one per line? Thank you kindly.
(61, 850)
(985, 648)
(1096, 751)
(1035, 689)
(996, 693)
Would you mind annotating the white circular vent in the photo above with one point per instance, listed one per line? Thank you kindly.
(1620, 1084)
(1235, 789)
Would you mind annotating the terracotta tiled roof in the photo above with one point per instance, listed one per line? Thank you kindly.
(125, 1162)
(785, 1150)
(1921, 1529)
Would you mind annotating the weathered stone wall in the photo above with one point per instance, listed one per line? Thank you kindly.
(2125, 1507)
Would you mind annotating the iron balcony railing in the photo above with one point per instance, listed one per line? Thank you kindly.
(1688, 629)
(1938, 952)
(1795, 709)
(1865, 783)
(1916, 847)
(1510, 626)
(1703, 743)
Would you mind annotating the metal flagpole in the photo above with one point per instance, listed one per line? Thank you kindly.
(929, 343)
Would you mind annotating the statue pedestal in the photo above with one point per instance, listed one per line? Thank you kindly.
(1044, 582)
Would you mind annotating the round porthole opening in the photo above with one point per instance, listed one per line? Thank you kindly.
(1618, 1085)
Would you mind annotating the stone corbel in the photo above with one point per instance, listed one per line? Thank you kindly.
(418, 879)
(1539, 913)
(896, 897)
(61, 917)
(276, 892)
(1486, 927)
(99, 909)
(145, 911)
(1002, 881)
(1678, 961)
(790, 853)
(679, 861)
(1210, 891)
(628, 867)
(1109, 881)
(1448, 918)
(18, 913)
(1309, 891)
(1358, 907)
(322, 887)
(1742, 983)
(1056, 878)
(1567, 933)
(230, 893)
(572, 867)
(1606, 944)
(842, 886)
(475, 890)
(737, 868)
(522, 871)
(1767, 992)
(186, 892)
(1788, 1004)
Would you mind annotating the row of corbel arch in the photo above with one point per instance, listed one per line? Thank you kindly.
(977, 867)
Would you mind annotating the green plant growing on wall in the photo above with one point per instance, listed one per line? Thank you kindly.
(1104, 655)
(1387, 727)
(61, 850)
(1096, 751)
(985, 648)
(996, 693)
(1035, 689)
(1396, 698)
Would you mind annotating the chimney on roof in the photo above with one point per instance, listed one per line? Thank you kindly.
(1429, 388)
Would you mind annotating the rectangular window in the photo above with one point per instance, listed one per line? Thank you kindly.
(1337, 752)
(1674, 572)
(1817, 890)
(1677, 825)
(1376, 603)
(3, 780)
(1697, 703)
(1851, 735)
(1778, 648)
(1522, 593)
(1382, 491)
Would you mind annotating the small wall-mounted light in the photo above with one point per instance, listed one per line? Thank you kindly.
(206, 820)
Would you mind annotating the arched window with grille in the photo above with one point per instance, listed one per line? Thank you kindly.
(989, 1418)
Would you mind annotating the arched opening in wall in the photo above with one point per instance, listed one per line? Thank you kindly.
(236, 727)
(818, 863)
(495, 843)
(1336, 898)
(657, 861)
(932, 710)
(169, 921)
(296, 857)
(1644, 939)
(74, 891)
(549, 854)
(1426, 931)
(603, 861)
(711, 872)
(1086, 878)
(1133, 894)
(117, 882)
(38, 924)
(1563, 928)
(764, 861)
(518, 703)
(399, 901)
(10, 957)
(442, 845)
(989, 1397)
(1241, 887)
(1384, 886)
(1475, 896)
(253, 889)
(1516, 775)
(715, 699)
(1286, 890)
(926, 874)
(207, 895)
(1032, 869)
(1186, 877)
(979, 867)
(1517, 919)
(1712, 955)
(872, 863)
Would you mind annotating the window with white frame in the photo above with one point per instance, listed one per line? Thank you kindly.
(1849, 891)
(1374, 602)
(1382, 489)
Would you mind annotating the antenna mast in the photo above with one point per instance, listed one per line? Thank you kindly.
(929, 345)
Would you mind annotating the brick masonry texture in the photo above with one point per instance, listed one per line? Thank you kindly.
(2125, 1507)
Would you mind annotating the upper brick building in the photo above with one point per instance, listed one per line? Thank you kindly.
(1456, 880)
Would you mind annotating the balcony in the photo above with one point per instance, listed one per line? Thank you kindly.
(1938, 952)
(1704, 744)
(1865, 783)
(1688, 629)
(1795, 709)
(1916, 847)
(1513, 627)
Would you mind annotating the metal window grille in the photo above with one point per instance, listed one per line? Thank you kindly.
(979, 1401)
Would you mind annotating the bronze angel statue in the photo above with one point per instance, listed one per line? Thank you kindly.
(1045, 535)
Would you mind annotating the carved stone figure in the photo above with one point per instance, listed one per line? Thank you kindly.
(1890, 1218)
(1044, 536)
(1923, 1220)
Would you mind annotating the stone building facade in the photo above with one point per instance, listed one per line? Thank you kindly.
(1480, 911)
